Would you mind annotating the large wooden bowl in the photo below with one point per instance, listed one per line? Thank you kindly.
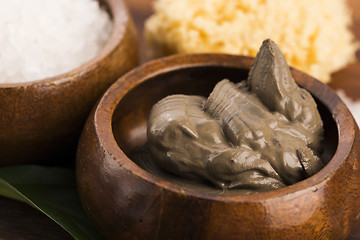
(40, 116)
(127, 202)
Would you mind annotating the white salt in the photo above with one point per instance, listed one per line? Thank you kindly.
(44, 38)
(354, 106)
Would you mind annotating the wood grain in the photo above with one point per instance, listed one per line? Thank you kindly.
(20, 222)
(316, 208)
(40, 116)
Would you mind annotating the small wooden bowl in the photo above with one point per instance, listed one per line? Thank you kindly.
(127, 202)
(40, 116)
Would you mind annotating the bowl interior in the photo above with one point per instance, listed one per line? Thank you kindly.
(129, 121)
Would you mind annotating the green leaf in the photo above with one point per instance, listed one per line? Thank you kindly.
(51, 191)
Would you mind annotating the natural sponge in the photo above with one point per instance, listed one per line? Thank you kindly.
(313, 35)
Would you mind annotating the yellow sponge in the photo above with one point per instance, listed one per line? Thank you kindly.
(312, 34)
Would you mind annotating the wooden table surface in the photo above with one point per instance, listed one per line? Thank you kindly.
(21, 222)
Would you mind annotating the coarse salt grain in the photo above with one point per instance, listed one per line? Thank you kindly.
(354, 106)
(41, 38)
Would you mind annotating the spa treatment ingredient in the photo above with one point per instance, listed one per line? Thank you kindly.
(313, 35)
(261, 134)
(42, 38)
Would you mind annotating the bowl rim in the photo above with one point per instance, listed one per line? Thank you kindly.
(105, 109)
(120, 18)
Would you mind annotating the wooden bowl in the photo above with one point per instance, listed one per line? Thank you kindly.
(127, 202)
(40, 116)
